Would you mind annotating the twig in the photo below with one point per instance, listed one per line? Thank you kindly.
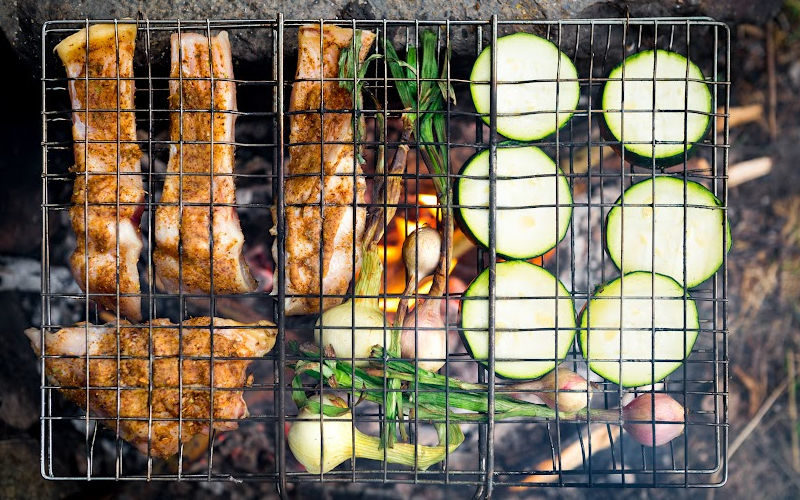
(772, 119)
(573, 455)
(696, 164)
(755, 388)
(753, 423)
(793, 410)
(749, 428)
(751, 31)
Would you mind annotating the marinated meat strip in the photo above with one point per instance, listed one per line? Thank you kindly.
(183, 242)
(312, 231)
(231, 340)
(108, 167)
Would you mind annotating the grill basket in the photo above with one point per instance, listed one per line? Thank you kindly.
(520, 452)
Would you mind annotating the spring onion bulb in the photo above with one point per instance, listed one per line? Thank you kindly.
(424, 335)
(354, 326)
(568, 395)
(320, 448)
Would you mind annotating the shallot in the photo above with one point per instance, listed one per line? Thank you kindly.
(647, 418)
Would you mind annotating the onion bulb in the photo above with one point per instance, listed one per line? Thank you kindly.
(572, 390)
(306, 438)
(320, 448)
(424, 336)
(638, 417)
(339, 331)
(354, 326)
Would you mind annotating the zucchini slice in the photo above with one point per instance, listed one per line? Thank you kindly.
(630, 233)
(526, 315)
(617, 338)
(528, 178)
(526, 111)
(677, 124)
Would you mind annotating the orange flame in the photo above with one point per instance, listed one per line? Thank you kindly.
(396, 234)
(391, 304)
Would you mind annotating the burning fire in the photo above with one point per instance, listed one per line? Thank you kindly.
(398, 229)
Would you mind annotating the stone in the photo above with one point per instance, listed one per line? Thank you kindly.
(21, 21)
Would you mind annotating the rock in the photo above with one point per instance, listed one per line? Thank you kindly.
(21, 20)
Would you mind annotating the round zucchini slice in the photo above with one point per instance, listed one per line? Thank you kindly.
(526, 315)
(632, 329)
(534, 202)
(677, 124)
(526, 111)
(635, 245)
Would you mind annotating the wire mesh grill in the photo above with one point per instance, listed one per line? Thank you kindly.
(490, 456)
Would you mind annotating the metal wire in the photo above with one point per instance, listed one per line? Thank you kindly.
(595, 46)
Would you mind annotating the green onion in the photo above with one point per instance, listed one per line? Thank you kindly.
(425, 108)
(323, 437)
(426, 392)
(351, 76)
(368, 283)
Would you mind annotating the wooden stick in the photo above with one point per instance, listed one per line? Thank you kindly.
(572, 456)
(740, 115)
(745, 171)
(695, 164)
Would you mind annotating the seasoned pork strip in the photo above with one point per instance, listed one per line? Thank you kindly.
(105, 225)
(190, 232)
(231, 340)
(310, 231)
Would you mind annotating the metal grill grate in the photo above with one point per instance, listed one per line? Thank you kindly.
(490, 455)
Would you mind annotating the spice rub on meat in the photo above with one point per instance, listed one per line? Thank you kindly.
(107, 164)
(231, 340)
(327, 172)
(183, 255)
